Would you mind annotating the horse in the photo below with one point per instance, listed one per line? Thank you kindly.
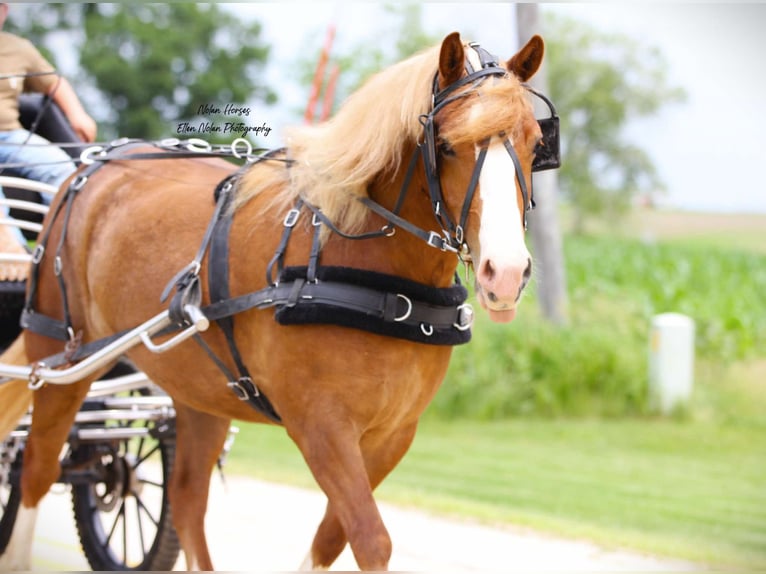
(341, 196)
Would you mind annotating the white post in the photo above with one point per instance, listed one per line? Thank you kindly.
(671, 361)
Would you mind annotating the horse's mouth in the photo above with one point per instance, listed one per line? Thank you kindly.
(499, 311)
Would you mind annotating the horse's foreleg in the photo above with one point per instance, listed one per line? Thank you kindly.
(54, 410)
(381, 452)
(199, 440)
(329, 541)
(339, 465)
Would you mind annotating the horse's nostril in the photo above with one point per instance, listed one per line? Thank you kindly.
(492, 297)
(488, 270)
(525, 278)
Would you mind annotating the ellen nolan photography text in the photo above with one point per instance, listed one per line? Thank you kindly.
(236, 121)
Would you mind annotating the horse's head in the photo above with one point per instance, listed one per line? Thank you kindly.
(485, 136)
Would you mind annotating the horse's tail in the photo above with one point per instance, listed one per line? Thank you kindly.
(15, 396)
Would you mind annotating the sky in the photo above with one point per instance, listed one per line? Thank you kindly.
(708, 150)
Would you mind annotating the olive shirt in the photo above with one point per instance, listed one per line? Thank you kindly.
(20, 60)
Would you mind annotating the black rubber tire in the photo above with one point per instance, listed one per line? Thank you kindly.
(105, 533)
(10, 499)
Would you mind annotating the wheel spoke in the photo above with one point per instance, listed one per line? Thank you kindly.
(146, 510)
(140, 447)
(140, 530)
(147, 455)
(152, 483)
(114, 524)
(124, 533)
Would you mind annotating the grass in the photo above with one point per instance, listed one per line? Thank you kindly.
(680, 489)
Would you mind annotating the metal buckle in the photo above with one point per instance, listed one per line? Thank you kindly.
(409, 308)
(459, 235)
(292, 217)
(240, 388)
(78, 183)
(38, 253)
(465, 317)
(442, 244)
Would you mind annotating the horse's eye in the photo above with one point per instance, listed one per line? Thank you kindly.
(445, 149)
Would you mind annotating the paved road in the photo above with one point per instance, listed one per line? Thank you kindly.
(258, 526)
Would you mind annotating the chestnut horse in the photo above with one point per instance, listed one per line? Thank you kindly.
(349, 399)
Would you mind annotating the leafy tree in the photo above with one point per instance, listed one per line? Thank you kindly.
(599, 82)
(156, 64)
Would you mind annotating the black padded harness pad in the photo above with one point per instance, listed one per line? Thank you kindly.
(306, 312)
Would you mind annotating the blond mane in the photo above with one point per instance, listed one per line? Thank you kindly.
(335, 161)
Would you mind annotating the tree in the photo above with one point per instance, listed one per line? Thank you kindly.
(544, 221)
(599, 83)
(155, 65)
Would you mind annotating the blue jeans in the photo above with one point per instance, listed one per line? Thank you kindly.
(32, 157)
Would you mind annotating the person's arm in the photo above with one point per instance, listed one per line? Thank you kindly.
(66, 98)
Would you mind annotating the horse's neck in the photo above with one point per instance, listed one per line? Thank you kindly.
(413, 257)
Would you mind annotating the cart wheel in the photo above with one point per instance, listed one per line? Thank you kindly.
(123, 518)
(10, 498)
(11, 451)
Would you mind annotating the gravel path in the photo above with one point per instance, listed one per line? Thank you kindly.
(263, 527)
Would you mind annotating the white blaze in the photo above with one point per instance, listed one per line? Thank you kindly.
(501, 235)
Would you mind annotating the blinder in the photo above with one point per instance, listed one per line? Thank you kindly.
(548, 151)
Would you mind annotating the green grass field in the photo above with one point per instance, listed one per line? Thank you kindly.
(550, 428)
(669, 488)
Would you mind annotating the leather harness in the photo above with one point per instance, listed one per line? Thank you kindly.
(311, 294)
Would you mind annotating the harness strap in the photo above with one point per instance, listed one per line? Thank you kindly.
(42, 324)
(218, 285)
(431, 237)
(525, 196)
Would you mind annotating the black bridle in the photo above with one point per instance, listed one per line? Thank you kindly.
(452, 237)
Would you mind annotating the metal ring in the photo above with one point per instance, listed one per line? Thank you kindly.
(248, 147)
(170, 142)
(427, 331)
(388, 230)
(85, 156)
(119, 142)
(409, 308)
(198, 145)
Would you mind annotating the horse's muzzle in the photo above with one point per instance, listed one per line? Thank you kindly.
(499, 287)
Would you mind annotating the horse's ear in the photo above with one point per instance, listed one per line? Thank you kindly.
(451, 60)
(527, 61)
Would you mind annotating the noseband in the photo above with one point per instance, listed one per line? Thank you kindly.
(452, 237)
